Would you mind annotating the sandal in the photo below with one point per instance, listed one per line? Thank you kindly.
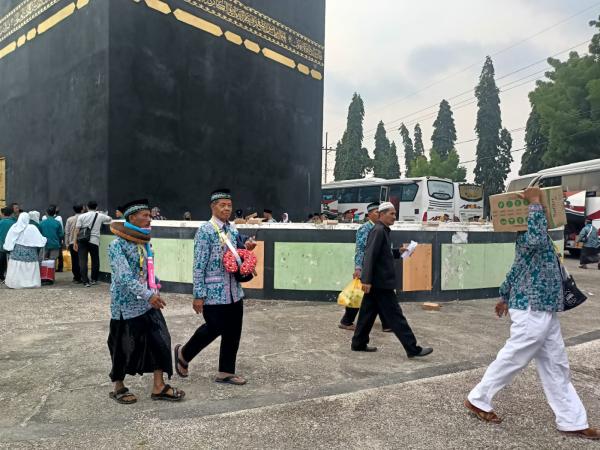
(120, 396)
(231, 379)
(178, 362)
(482, 415)
(176, 396)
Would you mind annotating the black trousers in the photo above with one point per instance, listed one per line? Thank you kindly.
(220, 320)
(3, 264)
(383, 302)
(86, 248)
(350, 316)
(61, 263)
(75, 264)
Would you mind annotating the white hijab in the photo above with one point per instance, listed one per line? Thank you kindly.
(22, 233)
(35, 216)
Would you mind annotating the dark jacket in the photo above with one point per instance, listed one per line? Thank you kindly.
(378, 266)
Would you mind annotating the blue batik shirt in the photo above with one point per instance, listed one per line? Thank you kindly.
(589, 236)
(534, 279)
(361, 243)
(212, 282)
(129, 286)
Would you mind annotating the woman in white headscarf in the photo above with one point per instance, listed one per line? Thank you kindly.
(23, 242)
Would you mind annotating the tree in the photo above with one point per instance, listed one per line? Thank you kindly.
(385, 162)
(419, 148)
(491, 169)
(568, 106)
(444, 131)
(439, 167)
(409, 153)
(351, 159)
(536, 145)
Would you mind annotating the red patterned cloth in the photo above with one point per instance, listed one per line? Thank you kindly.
(248, 262)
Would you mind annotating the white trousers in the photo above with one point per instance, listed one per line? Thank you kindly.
(535, 334)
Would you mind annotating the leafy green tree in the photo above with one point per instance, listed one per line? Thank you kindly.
(351, 159)
(385, 162)
(568, 106)
(536, 145)
(419, 148)
(444, 131)
(409, 152)
(491, 169)
(439, 167)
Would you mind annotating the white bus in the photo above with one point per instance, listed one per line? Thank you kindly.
(468, 202)
(415, 199)
(581, 187)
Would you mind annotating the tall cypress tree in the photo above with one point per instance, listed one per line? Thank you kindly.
(385, 163)
(536, 145)
(350, 159)
(444, 131)
(419, 147)
(409, 153)
(491, 169)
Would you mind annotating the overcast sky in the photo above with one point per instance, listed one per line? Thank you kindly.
(403, 56)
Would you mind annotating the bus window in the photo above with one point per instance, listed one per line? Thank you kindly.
(550, 181)
(591, 182)
(409, 192)
(329, 195)
(440, 190)
(368, 194)
(384, 194)
(349, 195)
(470, 192)
(519, 184)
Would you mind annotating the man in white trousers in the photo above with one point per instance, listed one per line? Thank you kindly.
(532, 295)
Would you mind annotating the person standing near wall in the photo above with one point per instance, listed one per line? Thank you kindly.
(52, 230)
(588, 236)
(347, 322)
(93, 221)
(71, 240)
(7, 221)
(378, 277)
(218, 296)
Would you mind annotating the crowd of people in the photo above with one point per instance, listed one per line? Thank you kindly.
(139, 340)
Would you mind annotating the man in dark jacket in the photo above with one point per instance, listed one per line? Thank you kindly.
(379, 284)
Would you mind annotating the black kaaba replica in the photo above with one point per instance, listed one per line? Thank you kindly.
(107, 99)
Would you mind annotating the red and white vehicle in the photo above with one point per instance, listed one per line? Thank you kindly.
(581, 187)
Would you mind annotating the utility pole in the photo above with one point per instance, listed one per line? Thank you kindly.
(327, 150)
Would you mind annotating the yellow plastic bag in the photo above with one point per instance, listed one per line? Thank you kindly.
(352, 294)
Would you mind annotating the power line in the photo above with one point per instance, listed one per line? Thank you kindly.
(492, 55)
(470, 91)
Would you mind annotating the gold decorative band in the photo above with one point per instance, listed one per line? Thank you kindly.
(22, 14)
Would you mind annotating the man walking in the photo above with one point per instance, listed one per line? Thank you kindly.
(532, 294)
(91, 221)
(347, 322)
(378, 277)
(71, 240)
(52, 230)
(218, 295)
(588, 236)
(7, 221)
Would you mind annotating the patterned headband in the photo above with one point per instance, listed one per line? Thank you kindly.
(220, 196)
(133, 209)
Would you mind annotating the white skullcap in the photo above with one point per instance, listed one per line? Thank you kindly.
(386, 205)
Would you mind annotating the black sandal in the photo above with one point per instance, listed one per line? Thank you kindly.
(177, 394)
(179, 363)
(119, 396)
(230, 380)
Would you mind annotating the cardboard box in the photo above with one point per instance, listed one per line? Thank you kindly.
(509, 211)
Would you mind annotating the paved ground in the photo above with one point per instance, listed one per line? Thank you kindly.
(306, 390)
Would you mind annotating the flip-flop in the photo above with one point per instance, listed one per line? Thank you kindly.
(179, 363)
(230, 380)
(176, 396)
(119, 396)
(482, 415)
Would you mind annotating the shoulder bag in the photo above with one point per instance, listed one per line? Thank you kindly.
(85, 233)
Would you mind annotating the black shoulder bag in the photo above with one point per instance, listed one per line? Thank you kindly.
(85, 233)
(572, 295)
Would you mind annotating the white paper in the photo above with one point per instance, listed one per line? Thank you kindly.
(410, 249)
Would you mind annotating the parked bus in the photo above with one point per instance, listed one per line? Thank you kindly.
(415, 199)
(468, 202)
(581, 187)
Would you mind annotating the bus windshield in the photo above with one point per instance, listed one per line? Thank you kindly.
(470, 192)
(440, 190)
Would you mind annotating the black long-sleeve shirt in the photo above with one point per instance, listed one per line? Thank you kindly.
(378, 266)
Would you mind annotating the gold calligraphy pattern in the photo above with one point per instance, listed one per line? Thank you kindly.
(22, 14)
(249, 19)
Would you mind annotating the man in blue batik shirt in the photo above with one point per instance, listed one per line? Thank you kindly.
(532, 294)
(347, 322)
(218, 296)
